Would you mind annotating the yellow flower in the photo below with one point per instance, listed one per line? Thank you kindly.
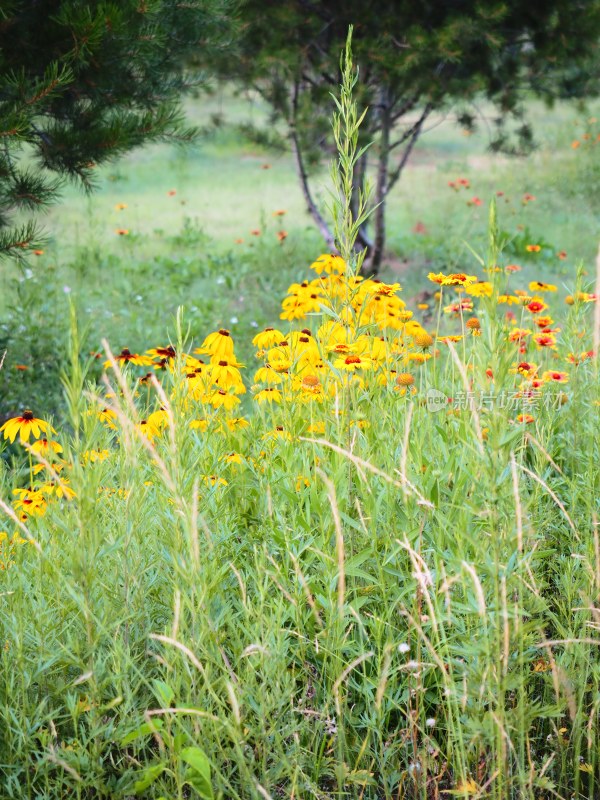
(268, 395)
(218, 344)
(46, 447)
(267, 338)
(30, 501)
(479, 289)
(328, 264)
(214, 481)
(237, 422)
(225, 399)
(232, 458)
(538, 286)
(60, 490)
(159, 419)
(226, 374)
(25, 426)
(268, 375)
(127, 357)
(107, 415)
(199, 424)
(92, 456)
(147, 429)
(353, 362)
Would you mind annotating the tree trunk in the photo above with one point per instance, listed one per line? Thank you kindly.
(378, 218)
(363, 240)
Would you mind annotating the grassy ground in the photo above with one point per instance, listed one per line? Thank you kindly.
(364, 565)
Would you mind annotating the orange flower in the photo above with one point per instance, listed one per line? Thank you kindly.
(172, 192)
(122, 231)
(562, 254)
(545, 340)
(556, 377)
(282, 236)
(280, 212)
(513, 268)
(536, 305)
(533, 248)
(525, 419)
(38, 252)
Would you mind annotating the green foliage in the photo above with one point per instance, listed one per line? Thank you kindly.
(415, 59)
(81, 84)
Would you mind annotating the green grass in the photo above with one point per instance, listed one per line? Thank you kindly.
(399, 603)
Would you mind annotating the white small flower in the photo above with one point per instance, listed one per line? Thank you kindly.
(404, 648)
(220, 280)
(254, 324)
(430, 722)
(67, 289)
(234, 320)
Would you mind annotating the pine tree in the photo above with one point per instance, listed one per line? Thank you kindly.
(415, 59)
(83, 82)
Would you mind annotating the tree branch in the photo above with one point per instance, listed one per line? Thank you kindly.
(414, 135)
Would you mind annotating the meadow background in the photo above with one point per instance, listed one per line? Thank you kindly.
(196, 248)
(353, 599)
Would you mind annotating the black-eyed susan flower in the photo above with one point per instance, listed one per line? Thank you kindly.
(328, 264)
(232, 458)
(199, 425)
(268, 375)
(540, 286)
(46, 447)
(59, 489)
(25, 426)
(223, 398)
(218, 344)
(225, 373)
(108, 417)
(30, 502)
(267, 338)
(237, 423)
(94, 456)
(127, 357)
(147, 430)
(268, 395)
(214, 481)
